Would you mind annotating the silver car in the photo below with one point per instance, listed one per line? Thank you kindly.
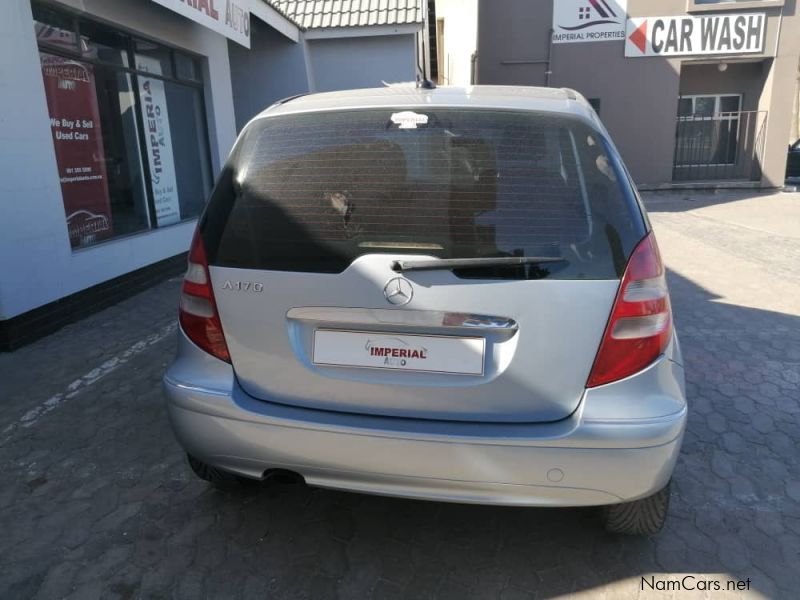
(447, 294)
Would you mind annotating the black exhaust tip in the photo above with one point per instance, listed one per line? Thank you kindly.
(283, 476)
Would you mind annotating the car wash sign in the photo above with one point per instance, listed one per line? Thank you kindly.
(231, 18)
(694, 36)
(588, 20)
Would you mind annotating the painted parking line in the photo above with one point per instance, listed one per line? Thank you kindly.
(30, 418)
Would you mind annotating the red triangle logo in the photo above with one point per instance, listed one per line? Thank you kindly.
(639, 37)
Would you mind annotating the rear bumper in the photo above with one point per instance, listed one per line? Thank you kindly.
(594, 457)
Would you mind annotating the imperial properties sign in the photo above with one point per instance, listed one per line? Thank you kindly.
(588, 20)
(683, 36)
(231, 18)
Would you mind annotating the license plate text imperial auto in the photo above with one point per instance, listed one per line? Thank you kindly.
(409, 352)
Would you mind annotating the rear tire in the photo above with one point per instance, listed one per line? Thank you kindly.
(216, 477)
(645, 516)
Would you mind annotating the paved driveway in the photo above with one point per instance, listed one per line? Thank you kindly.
(96, 500)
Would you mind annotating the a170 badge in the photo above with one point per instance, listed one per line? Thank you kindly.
(243, 286)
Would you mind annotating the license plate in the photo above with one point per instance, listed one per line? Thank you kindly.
(406, 352)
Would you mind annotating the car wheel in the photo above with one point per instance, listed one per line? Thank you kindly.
(645, 516)
(214, 476)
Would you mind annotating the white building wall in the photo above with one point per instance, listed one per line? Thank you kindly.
(37, 265)
(460, 39)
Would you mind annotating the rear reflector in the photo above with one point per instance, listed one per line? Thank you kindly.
(640, 326)
(198, 310)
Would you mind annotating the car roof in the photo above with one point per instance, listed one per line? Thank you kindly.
(542, 99)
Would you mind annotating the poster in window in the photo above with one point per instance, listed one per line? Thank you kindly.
(155, 116)
(78, 141)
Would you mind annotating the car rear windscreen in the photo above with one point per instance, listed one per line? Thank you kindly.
(312, 192)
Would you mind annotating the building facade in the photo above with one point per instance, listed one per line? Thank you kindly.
(340, 45)
(118, 114)
(694, 92)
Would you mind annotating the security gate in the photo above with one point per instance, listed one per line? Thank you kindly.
(723, 145)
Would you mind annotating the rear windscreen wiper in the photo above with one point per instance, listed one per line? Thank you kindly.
(471, 263)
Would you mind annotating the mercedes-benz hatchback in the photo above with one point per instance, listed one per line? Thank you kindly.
(449, 294)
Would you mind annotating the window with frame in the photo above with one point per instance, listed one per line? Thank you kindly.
(128, 125)
(708, 129)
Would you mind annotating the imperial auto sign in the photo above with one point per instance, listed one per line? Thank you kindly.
(682, 36)
(231, 18)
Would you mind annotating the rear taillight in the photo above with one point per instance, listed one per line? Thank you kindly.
(640, 326)
(198, 313)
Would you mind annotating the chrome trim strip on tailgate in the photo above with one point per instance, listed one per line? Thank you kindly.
(415, 318)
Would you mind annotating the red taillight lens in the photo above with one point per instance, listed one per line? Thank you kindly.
(640, 326)
(198, 311)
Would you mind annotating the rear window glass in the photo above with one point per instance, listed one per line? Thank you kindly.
(312, 192)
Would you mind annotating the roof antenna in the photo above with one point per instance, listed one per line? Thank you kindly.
(425, 84)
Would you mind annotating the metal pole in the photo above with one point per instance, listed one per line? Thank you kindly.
(747, 141)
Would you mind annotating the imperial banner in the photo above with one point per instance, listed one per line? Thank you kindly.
(155, 116)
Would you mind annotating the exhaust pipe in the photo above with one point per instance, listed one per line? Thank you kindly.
(283, 476)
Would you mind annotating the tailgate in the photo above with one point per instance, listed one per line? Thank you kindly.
(535, 350)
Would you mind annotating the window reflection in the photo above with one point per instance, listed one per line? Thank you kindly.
(131, 146)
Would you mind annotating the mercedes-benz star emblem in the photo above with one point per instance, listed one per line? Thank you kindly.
(398, 291)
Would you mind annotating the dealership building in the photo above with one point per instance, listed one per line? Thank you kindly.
(118, 114)
(695, 93)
